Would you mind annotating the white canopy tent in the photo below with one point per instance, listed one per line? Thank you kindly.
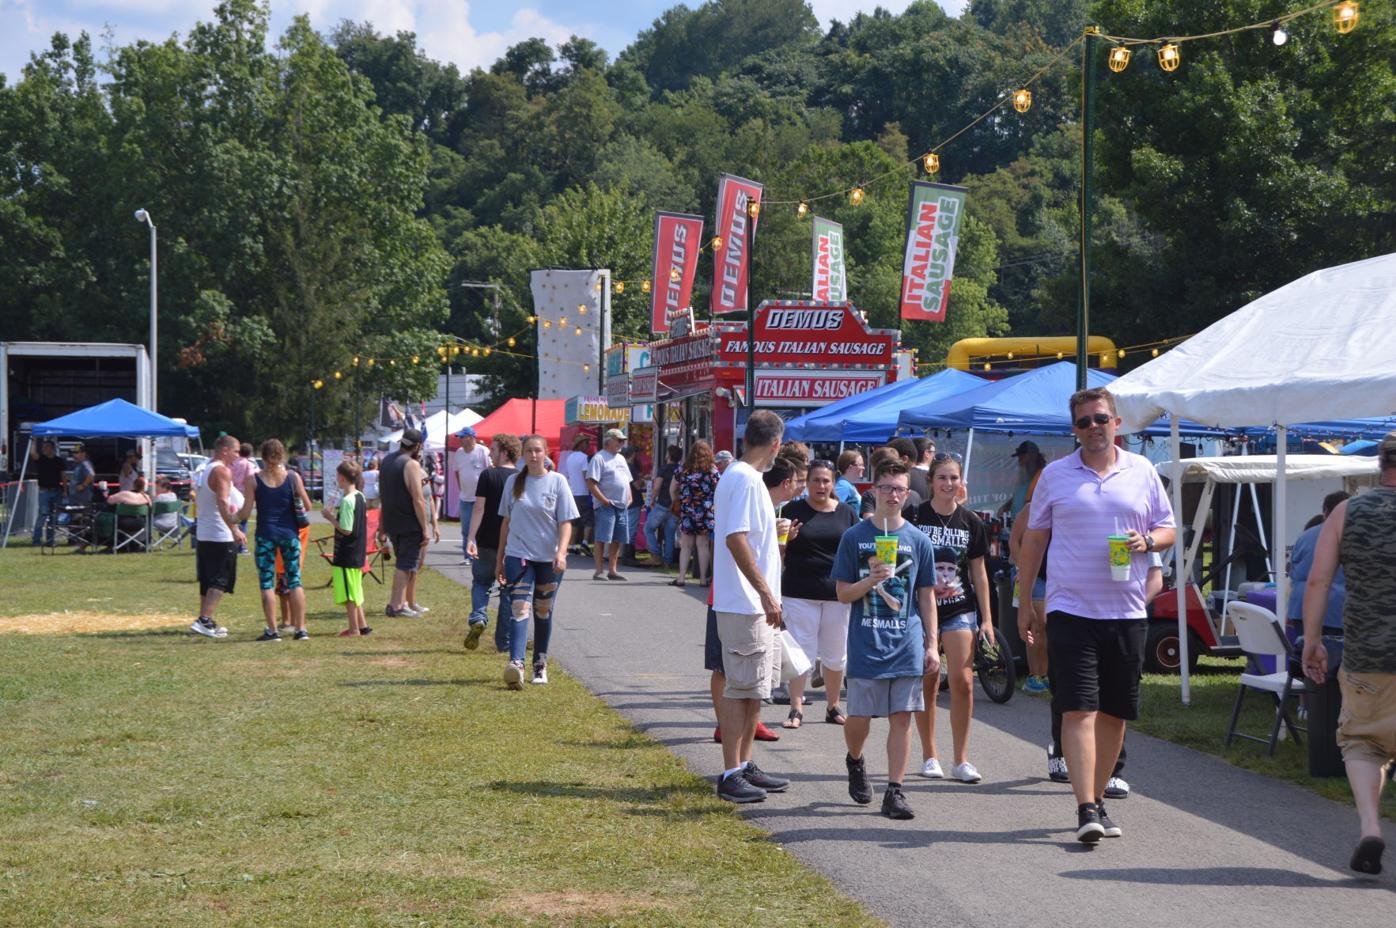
(438, 426)
(1321, 347)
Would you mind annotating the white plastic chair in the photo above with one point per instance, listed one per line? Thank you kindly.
(1260, 636)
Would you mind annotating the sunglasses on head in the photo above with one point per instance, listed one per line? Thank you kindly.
(1099, 418)
(946, 456)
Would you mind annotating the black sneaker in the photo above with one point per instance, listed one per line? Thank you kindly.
(1111, 829)
(269, 634)
(737, 789)
(1089, 830)
(763, 780)
(301, 635)
(365, 630)
(858, 786)
(894, 804)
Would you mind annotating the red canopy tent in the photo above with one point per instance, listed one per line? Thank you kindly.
(519, 417)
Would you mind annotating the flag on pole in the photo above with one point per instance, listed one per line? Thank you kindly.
(678, 237)
(735, 226)
(932, 234)
(830, 284)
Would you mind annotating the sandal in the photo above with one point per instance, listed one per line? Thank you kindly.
(794, 719)
(834, 716)
(677, 582)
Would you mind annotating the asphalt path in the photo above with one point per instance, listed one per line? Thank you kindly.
(1205, 843)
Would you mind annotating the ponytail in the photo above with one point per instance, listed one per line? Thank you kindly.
(523, 474)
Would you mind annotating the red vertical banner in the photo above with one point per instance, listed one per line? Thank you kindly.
(678, 238)
(731, 270)
(932, 235)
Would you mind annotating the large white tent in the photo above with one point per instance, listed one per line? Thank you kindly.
(438, 426)
(1321, 347)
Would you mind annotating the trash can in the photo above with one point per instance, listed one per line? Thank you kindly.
(1325, 701)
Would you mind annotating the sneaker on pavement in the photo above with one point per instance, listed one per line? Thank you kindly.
(1056, 769)
(894, 804)
(301, 635)
(270, 634)
(765, 734)
(931, 769)
(514, 675)
(1111, 829)
(472, 636)
(1089, 830)
(1036, 686)
(540, 673)
(736, 789)
(1116, 788)
(966, 773)
(205, 627)
(763, 780)
(859, 789)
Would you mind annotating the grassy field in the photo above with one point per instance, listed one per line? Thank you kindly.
(1202, 725)
(152, 777)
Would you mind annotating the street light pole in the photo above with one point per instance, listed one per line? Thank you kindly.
(143, 216)
(1083, 307)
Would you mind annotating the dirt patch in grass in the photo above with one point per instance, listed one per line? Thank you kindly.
(571, 905)
(391, 662)
(77, 623)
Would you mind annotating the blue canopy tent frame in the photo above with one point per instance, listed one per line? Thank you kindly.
(872, 416)
(113, 419)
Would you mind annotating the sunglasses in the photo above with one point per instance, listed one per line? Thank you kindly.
(1099, 418)
(946, 456)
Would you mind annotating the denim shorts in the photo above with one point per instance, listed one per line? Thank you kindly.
(964, 622)
(612, 524)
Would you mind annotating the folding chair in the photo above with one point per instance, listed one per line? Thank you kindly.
(128, 532)
(1260, 636)
(374, 556)
(175, 533)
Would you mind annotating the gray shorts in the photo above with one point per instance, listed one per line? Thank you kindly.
(880, 698)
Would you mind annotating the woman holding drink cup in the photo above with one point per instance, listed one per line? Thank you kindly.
(962, 597)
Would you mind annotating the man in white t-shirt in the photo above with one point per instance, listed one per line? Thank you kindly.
(470, 461)
(608, 481)
(574, 468)
(746, 599)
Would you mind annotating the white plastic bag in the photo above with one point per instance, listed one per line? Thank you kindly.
(793, 660)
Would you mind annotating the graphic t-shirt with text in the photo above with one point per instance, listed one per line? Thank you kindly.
(957, 538)
(885, 637)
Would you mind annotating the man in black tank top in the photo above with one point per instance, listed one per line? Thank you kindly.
(1360, 535)
(405, 520)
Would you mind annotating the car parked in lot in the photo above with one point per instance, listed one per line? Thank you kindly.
(169, 464)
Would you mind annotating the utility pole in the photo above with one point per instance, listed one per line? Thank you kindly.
(1083, 308)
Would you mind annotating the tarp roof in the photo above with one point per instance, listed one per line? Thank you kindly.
(1260, 468)
(114, 419)
(1323, 344)
(438, 427)
(518, 417)
(872, 416)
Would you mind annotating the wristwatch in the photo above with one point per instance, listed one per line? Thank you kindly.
(1148, 541)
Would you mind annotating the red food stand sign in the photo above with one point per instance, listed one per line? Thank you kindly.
(789, 332)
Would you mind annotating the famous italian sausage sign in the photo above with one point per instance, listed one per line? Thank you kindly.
(932, 234)
(791, 333)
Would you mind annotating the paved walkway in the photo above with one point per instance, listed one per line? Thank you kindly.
(1205, 843)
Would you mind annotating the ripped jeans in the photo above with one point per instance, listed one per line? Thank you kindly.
(530, 590)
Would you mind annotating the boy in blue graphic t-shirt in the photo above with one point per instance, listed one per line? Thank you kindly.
(890, 649)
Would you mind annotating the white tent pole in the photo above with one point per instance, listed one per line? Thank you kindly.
(1231, 544)
(969, 450)
(1260, 529)
(19, 488)
(1277, 529)
(1180, 582)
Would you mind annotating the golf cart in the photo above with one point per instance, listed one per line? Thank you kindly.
(1208, 633)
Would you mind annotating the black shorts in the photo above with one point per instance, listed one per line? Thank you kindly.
(712, 646)
(217, 565)
(407, 548)
(1095, 664)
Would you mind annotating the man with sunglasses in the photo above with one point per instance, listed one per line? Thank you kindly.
(1096, 625)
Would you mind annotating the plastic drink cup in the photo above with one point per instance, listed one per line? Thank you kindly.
(886, 549)
(782, 530)
(1119, 557)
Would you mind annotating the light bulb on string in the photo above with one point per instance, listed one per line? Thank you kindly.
(988, 366)
(586, 368)
(547, 323)
(338, 375)
(1121, 352)
(1118, 59)
(856, 195)
(717, 243)
(1278, 35)
(486, 351)
(1345, 16)
(317, 384)
(392, 362)
(474, 352)
(511, 341)
(1104, 359)
(931, 162)
(369, 363)
(619, 288)
(355, 361)
(644, 286)
(1022, 100)
(1154, 353)
(1060, 355)
(562, 322)
(416, 358)
(1170, 56)
(753, 208)
(532, 319)
(802, 210)
(577, 331)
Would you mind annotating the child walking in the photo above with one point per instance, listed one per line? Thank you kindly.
(350, 544)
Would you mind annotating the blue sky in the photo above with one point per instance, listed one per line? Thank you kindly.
(466, 32)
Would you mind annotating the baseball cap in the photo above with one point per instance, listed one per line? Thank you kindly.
(1027, 447)
(617, 434)
(1387, 449)
(723, 456)
(467, 432)
(411, 437)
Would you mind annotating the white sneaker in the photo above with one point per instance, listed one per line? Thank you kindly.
(1115, 788)
(931, 770)
(966, 773)
(420, 610)
(514, 675)
(540, 673)
(207, 628)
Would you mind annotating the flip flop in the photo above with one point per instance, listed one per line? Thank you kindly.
(834, 716)
(1367, 857)
(794, 720)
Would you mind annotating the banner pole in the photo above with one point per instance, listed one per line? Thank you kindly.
(750, 313)
(1083, 308)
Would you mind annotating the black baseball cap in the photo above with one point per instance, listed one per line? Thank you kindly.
(411, 437)
(1027, 447)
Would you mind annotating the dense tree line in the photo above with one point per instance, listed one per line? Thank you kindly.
(326, 195)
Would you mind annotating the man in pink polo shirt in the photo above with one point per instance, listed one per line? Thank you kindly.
(1096, 625)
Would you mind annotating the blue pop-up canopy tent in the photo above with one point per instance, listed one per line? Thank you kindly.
(872, 416)
(112, 419)
(1034, 403)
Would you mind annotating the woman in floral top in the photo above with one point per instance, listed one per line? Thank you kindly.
(694, 488)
